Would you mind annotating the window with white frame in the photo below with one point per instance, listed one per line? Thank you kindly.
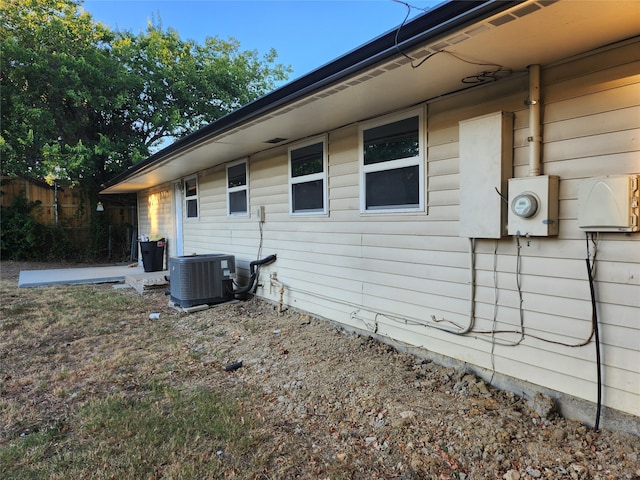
(237, 189)
(308, 177)
(392, 164)
(191, 197)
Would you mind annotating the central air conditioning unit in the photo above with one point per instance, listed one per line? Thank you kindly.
(201, 279)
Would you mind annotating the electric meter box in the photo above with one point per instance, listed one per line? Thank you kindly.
(533, 206)
(609, 204)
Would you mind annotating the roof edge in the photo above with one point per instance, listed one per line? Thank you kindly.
(443, 18)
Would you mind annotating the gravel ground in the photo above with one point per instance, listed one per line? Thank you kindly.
(360, 402)
(349, 404)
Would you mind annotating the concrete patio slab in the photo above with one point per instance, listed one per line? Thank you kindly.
(143, 282)
(86, 275)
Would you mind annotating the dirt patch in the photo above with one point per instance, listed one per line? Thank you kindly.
(347, 398)
(332, 404)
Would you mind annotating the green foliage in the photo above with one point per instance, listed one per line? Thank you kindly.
(21, 237)
(60, 94)
(84, 103)
(177, 86)
(392, 141)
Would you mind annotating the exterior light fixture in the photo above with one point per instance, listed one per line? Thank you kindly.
(99, 207)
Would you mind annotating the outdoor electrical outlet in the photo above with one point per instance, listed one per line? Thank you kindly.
(274, 276)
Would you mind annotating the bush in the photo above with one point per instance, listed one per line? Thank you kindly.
(23, 238)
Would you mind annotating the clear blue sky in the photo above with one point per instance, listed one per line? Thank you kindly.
(305, 33)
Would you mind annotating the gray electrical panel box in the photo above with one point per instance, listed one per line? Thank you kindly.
(486, 152)
(609, 204)
(201, 279)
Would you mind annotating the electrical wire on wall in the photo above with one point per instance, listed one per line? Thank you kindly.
(495, 311)
(594, 321)
(521, 330)
(260, 226)
(373, 325)
(483, 77)
(437, 323)
(494, 330)
(469, 329)
(415, 63)
(254, 269)
(396, 40)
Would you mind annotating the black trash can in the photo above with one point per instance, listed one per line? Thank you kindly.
(152, 255)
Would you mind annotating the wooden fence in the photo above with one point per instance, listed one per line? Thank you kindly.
(61, 205)
(71, 209)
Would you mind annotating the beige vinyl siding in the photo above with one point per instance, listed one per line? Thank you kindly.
(393, 273)
(214, 231)
(156, 214)
(590, 129)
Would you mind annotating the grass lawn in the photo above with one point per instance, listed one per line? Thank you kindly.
(91, 388)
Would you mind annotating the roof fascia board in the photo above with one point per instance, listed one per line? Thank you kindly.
(443, 19)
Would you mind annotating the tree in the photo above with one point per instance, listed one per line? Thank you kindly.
(61, 95)
(84, 103)
(182, 86)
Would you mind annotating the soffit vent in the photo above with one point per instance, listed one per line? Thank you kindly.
(458, 39)
(283, 111)
(440, 46)
(527, 10)
(477, 29)
(391, 66)
(502, 20)
(421, 53)
(275, 140)
(306, 102)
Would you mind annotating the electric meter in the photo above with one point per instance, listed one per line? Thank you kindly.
(533, 206)
(525, 205)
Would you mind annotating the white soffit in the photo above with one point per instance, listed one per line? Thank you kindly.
(535, 32)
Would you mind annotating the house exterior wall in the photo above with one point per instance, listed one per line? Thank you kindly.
(156, 214)
(392, 274)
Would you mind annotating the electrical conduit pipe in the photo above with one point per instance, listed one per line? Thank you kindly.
(472, 298)
(535, 128)
(254, 274)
